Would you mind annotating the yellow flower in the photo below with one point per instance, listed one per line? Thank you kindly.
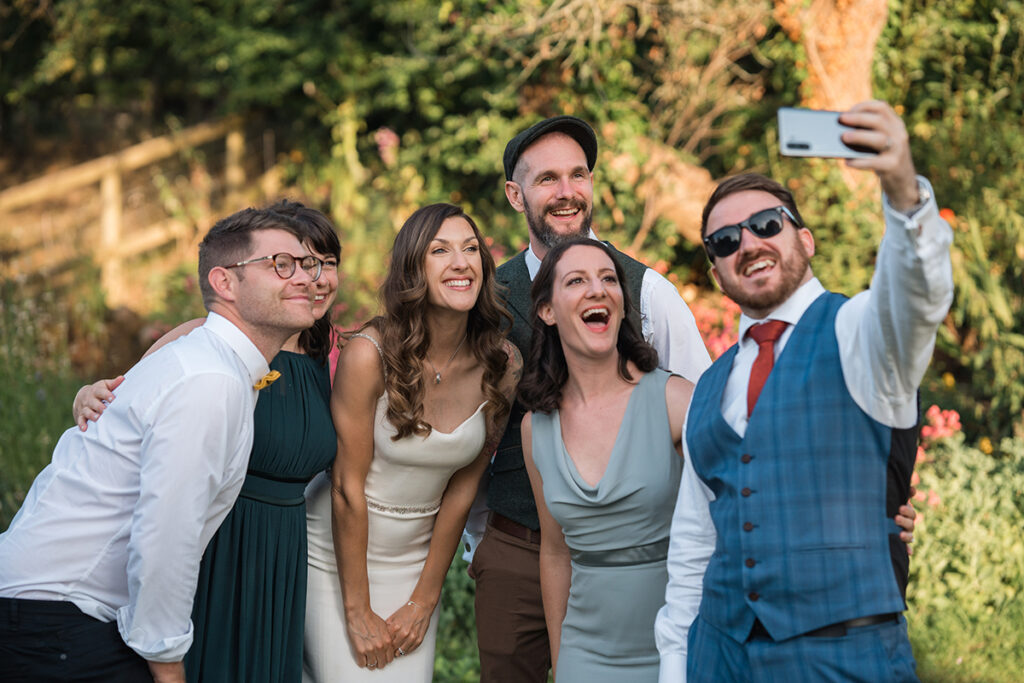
(948, 380)
(266, 380)
(985, 445)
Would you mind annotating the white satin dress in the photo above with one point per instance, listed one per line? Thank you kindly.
(403, 493)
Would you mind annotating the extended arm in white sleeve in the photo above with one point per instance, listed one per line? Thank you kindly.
(887, 334)
(669, 326)
(189, 446)
(692, 543)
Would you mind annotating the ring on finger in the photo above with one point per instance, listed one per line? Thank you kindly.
(400, 652)
(887, 145)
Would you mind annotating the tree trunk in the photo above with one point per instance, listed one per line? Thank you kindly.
(839, 38)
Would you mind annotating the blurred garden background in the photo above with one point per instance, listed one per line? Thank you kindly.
(127, 128)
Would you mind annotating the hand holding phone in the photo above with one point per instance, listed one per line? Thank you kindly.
(816, 133)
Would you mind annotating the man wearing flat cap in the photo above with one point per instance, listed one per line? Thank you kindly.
(548, 178)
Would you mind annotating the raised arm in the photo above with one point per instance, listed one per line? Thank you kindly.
(358, 383)
(555, 564)
(889, 331)
(409, 623)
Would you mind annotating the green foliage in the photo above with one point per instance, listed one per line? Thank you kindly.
(967, 573)
(957, 67)
(36, 388)
(456, 659)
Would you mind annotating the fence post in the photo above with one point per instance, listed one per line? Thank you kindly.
(111, 224)
(234, 169)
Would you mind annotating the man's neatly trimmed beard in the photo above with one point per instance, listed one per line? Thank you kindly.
(793, 271)
(548, 237)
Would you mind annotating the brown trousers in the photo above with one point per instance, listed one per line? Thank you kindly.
(510, 627)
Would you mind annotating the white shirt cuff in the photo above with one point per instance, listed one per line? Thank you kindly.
(673, 668)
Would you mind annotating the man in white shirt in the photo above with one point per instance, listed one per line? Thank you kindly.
(800, 440)
(548, 171)
(98, 568)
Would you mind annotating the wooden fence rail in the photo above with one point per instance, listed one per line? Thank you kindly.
(26, 252)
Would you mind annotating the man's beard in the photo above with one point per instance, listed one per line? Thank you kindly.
(546, 234)
(794, 268)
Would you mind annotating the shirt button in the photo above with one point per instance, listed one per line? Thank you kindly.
(746, 492)
(754, 597)
(746, 458)
(750, 562)
(63, 656)
(748, 526)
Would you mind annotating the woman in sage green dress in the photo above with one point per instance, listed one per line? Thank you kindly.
(603, 451)
(249, 607)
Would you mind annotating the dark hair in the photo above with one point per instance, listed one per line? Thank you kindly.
(547, 371)
(742, 183)
(405, 337)
(320, 235)
(230, 241)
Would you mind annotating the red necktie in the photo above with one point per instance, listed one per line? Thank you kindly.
(765, 334)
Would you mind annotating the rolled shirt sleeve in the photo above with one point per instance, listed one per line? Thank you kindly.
(887, 333)
(192, 463)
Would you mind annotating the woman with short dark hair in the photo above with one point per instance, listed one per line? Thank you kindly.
(603, 450)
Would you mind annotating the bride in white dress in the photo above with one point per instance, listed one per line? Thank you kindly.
(420, 398)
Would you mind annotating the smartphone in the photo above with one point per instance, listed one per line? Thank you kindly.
(815, 133)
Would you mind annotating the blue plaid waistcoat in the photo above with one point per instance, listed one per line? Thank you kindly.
(805, 533)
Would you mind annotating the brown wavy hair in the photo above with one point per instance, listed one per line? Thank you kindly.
(405, 337)
(547, 371)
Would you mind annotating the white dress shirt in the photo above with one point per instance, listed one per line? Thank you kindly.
(666, 323)
(886, 336)
(119, 519)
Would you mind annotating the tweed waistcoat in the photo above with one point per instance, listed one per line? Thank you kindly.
(805, 499)
(508, 489)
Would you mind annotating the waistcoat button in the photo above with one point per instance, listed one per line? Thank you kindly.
(748, 526)
(746, 458)
(746, 491)
(750, 562)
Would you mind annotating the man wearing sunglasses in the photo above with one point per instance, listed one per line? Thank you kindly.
(800, 440)
(99, 566)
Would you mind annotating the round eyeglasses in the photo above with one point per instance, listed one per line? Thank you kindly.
(284, 265)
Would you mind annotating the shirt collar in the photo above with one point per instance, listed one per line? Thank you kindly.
(790, 311)
(533, 263)
(251, 357)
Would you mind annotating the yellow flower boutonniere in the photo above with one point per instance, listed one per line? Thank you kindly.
(266, 380)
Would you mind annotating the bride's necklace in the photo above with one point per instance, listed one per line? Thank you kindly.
(437, 373)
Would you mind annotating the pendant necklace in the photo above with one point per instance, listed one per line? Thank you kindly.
(437, 373)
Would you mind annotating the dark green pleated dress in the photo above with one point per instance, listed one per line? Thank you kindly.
(250, 601)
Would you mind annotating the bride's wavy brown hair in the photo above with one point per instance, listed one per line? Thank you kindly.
(404, 334)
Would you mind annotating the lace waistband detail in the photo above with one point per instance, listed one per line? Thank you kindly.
(403, 510)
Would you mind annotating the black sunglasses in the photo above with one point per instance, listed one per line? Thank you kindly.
(766, 223)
